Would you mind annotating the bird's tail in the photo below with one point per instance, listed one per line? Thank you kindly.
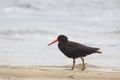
(99, 52)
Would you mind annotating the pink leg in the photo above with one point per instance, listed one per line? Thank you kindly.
(73, 64)
(83, 63)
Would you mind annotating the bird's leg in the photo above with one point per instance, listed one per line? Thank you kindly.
(73, 64)
(83, 63)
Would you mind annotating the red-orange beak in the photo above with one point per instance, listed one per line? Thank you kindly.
(53, 42)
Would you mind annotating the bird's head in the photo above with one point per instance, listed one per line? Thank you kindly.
(60, 38)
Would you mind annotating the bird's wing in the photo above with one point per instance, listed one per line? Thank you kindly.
(73, 46)
(80, 48)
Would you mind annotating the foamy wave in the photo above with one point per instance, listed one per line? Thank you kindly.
(117, 32)
(24, 32)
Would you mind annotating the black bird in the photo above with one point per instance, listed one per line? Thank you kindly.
(73, 49)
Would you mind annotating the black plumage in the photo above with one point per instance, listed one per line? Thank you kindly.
(73, 49)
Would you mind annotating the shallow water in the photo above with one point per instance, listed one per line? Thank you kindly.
(26, 27)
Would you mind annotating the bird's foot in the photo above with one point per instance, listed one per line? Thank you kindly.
(83, 69)
(72, 69)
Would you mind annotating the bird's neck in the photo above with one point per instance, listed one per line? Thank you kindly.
(63, 42)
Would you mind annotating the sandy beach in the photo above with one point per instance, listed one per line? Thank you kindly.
(54, 73)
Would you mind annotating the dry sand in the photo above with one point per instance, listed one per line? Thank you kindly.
(54, 73)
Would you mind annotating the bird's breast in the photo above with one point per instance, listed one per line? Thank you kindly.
(64, 50)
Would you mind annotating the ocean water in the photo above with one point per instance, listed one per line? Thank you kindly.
(27, 26)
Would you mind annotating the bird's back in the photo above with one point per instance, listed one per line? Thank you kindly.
(75, 50)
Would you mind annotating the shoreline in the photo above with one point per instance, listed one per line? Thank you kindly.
(65, 67)
(55, 73)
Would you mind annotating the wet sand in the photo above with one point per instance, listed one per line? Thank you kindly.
(55, 73)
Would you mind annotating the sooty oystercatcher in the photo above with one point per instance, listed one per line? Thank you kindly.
(73, 49)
